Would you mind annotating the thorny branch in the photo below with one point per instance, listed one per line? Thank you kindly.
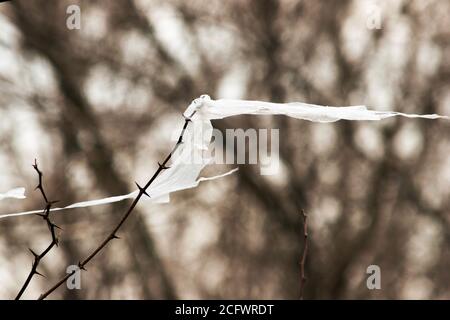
(305, 252)
(113, 234)
(51, 226)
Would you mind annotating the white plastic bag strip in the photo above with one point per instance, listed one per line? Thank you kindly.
(218, 109)
(190, 158)
(16, 193)
(90, 203)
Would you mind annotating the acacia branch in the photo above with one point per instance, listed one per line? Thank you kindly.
(51, 226)
(113, 234)
(304, 253)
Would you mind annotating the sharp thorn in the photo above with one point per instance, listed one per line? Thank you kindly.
(34, 253)
(162, 166)
(142, 190)
(39, 274)
(81, 266)
(55, 226)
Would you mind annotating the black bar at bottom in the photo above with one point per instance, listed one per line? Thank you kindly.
(219, 309)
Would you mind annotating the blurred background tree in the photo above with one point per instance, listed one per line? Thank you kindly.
(95, 106)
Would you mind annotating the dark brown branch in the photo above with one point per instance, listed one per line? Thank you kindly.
(113, 234)
(305, 252)
(51, 226)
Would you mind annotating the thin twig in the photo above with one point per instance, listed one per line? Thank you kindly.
(113, 234)
(51, 226)
(305, 252)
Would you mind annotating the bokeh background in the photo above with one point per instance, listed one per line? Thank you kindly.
(97, 107)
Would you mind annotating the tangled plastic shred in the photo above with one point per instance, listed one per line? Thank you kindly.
(191, 158)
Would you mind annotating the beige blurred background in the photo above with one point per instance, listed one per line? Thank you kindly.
(97, 108)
